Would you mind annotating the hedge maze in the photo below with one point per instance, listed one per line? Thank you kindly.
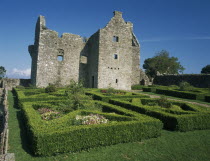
(131, 117)
(59, 135)
(201, 94)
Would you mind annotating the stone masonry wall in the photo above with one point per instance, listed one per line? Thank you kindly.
(110, 57)
(93, 60)
(11, 83)
(115, 72)
(197, 80)
(68, 48)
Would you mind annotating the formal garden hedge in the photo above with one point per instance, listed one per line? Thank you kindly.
(207, 98)
(185, 118)
(194, 93)
(62, 135)
(98, 95)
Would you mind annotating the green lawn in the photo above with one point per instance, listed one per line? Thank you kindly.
(189, 146)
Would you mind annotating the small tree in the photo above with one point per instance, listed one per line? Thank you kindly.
(2, 72)
(206, 69)
(163, 64)
(76, 98)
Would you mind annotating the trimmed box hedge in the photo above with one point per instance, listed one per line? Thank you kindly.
(60, 135)
(99, 96)
(207, 98)
(172, 91)
(180, 94)
(195, 118)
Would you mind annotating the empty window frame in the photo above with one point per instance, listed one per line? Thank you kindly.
(60, 58)
(115, 56)
(115, 39)
(116, 81)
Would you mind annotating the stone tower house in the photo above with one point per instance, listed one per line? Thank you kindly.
(110, 57)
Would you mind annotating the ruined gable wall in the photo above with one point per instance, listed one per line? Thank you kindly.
(136, 76)
(115, 72)
(92, 60)
(49, 68)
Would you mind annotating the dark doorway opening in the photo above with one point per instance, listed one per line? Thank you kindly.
(142, 82)
(93, 82)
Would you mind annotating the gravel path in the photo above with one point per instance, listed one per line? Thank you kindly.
(155, 96)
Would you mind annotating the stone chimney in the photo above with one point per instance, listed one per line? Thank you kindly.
(117, 14)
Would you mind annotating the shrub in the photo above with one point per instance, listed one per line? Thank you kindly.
(32, 86)
(75, 88)
(184, 86)
(149, 89)
(163, 102)
(76, 99)
(20, 87)
(207, 98)
(137, 87)
(51, 88)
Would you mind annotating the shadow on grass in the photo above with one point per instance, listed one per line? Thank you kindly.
(25, 142)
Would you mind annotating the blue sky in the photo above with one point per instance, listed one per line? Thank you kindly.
(182, 27)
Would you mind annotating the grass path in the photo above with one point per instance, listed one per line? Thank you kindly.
(171, 146)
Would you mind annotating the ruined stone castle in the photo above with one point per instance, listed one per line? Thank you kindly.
(110, 57)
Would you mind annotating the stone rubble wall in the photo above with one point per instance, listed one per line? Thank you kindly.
(196, 80)
(11, 83)
(144, 79)
(92, 60)
(4, 156)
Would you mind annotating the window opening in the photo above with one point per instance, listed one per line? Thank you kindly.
(115, 56)
(116, 80)
(93, 81)
(115, 39)
(60, 58)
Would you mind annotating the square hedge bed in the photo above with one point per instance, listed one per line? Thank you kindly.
(98, 95)
(60, 135)
(188, 117)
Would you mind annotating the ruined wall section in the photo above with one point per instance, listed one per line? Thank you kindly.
(115, 54)
(92, 60)
(136, 77)
(57, 58)
(33, 49)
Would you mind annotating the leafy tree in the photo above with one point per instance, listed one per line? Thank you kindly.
(206, 69)
(2, 72)
(163, 64)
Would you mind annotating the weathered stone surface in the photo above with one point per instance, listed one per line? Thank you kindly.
(10, 83)
(7, 157)
(110, 57)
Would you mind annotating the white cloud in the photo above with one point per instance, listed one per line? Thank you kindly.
(20, 73)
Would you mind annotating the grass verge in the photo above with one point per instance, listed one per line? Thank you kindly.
(192, 145)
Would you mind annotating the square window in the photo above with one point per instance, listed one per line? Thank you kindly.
(115, 56)
(115, 39)
(60, 58)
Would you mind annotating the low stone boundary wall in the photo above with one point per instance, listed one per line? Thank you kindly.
(4, 156)
(11, 83)
(197, 80)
